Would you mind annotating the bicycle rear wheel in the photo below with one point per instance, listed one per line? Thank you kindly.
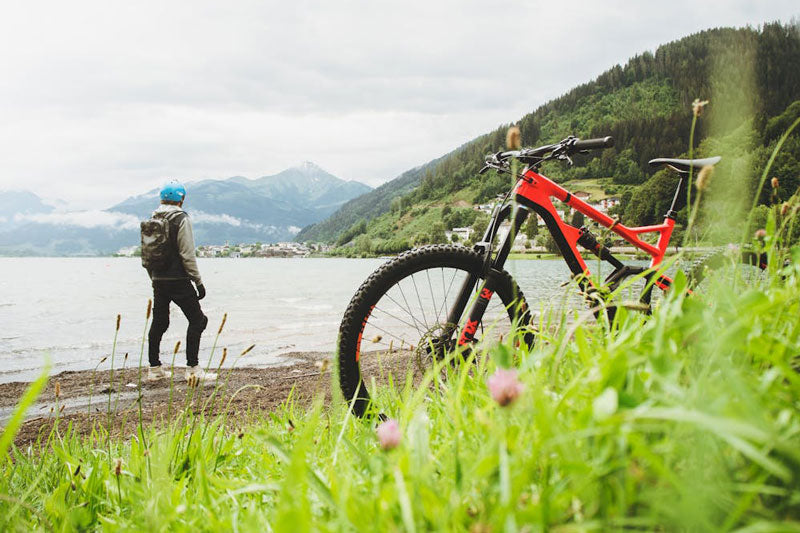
(396, 322)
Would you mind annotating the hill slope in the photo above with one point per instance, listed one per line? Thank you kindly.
(749, 75)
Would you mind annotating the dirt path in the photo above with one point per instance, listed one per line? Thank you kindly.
(84, 396)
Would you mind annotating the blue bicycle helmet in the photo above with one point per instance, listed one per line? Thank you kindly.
(173, 191)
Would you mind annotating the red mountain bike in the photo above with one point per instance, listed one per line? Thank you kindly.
(433, 300)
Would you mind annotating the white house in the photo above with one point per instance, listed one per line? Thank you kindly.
(463, 233)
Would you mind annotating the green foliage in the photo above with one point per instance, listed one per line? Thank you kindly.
(460, 217)
(549, 243)
(363, 244)
(532, 227)
(650, 202)
(356, 229)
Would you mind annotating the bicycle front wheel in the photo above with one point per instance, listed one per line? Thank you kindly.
(397, 322)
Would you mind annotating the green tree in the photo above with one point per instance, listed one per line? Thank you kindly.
(363, 244)
(532, 227)
(437, 234)
(479, 227)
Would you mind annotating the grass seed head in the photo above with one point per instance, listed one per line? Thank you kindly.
(760, 234)
(177, 347)
(775, 183)
(704, 177)
(118, 467)
(222, 324)
(119, 317)
(149, 308)
(224, 355)
(513, 138)
(58, 389)
(698, 105)
(784, 209)
(247, 350)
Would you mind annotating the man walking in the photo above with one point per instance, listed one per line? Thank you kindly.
(168, 254)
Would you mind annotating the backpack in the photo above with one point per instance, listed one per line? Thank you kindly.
(157, 248)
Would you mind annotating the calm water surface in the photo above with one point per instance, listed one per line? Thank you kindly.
(64, 309)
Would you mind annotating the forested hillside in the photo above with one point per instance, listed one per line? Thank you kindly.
(751, 77)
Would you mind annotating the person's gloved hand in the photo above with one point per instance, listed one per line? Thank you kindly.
(201, 292)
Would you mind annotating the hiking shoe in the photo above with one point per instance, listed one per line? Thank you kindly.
(156, 373)
(196, 375)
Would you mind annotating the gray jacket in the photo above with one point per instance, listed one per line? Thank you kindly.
(185, 247)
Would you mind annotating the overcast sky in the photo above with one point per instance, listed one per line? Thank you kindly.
(103, 100)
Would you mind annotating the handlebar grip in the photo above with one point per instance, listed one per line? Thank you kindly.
(594, 144)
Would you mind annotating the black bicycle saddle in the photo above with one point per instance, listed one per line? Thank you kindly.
(685, 165)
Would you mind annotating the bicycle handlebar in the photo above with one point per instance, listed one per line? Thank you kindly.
(560, 150)
(594, 144)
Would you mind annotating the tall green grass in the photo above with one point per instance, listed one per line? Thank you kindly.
(685, 420)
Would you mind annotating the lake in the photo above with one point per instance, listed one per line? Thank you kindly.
(64, 309)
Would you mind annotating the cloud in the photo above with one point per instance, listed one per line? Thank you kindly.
(83, 219)
(201, 217)
(101, 100)
(112, 220)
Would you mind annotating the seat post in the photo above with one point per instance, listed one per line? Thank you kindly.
(671, 213)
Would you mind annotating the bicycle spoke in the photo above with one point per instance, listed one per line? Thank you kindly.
(449, 288)
(433, 299)
(407, 311)
(421, 307)
(399, 286)
(388, 333)
(396, 318)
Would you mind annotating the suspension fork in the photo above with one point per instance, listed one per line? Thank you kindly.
(492, 268)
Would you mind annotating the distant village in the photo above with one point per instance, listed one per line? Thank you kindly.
(280, 249)
(297, 249)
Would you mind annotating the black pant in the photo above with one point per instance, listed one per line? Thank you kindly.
(183, 294)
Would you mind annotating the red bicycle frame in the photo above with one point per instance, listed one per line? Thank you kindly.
(535, 192)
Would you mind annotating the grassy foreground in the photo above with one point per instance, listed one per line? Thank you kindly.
(688, 420)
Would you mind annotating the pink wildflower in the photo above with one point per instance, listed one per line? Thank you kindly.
(389, 434)
(504, 386)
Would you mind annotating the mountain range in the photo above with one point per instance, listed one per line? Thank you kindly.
(267, 209)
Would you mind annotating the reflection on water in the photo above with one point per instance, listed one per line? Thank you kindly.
(65, 308)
